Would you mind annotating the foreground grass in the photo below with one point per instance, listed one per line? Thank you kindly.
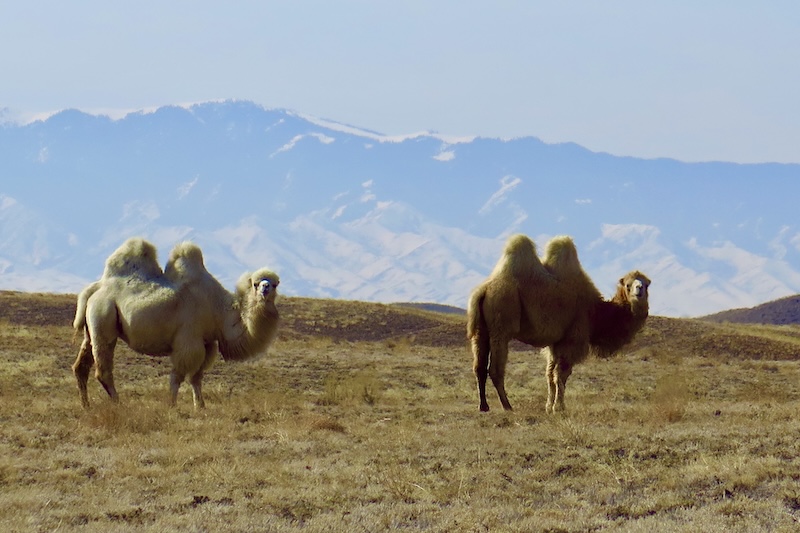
(368, 436)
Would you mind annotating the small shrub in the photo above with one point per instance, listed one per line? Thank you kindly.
(118, 418)
(327, 424)
(362, 387)
(670, 398)
(400, 345)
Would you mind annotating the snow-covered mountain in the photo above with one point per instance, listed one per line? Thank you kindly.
(346, 213)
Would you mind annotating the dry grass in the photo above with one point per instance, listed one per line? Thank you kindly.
(333, 433)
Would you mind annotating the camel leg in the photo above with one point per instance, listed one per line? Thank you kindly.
(550, 375)
(480, 366)
(497, 370)
(197, 389)
(197, 378)
(188, 361)
(175, 380)
(563, 357)
(562, 372)
(104, 359)
(82, 367)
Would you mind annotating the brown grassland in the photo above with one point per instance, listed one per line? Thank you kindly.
(364, 417)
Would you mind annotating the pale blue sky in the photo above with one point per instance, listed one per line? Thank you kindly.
(693, 80)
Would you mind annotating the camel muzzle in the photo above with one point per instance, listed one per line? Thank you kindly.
(639, 289)
(264, 288)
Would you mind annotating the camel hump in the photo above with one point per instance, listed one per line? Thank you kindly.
(561, 259)
(519, 258)
(185, 263)
(520, 245)
(561, 256)
(136, 257)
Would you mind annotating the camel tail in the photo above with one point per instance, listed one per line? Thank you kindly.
(80, 312)
(475, 321)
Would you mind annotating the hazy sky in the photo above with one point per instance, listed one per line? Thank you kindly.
(693, 80)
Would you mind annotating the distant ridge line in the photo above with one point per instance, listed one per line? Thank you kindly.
(783, 311)
(437, 308)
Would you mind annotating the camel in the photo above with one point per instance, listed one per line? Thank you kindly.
(549, 303)
(182, 312)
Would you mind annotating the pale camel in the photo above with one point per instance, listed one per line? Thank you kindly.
(182, 312)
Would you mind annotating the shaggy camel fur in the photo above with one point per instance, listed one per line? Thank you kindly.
(548, 303)
(181, 312)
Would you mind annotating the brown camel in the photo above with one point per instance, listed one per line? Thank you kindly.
(548, 303)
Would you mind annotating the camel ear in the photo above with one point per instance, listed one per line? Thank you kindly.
(622, 281)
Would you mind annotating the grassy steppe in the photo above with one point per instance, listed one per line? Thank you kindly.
(364, 417)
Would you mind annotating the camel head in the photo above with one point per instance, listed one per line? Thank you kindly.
(633, 289)
(262, 285)
(252, 332)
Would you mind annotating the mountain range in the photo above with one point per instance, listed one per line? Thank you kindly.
(342, 212)
(782, 311)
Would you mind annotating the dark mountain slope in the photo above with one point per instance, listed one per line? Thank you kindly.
(782, 311)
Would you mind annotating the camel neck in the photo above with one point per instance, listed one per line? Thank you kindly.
(640, 309)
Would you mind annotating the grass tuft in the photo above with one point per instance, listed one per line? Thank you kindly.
(328, 424)
(117, 418)
(670, 399)
(345, 389)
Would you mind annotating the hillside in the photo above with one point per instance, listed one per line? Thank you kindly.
(342, 321)
(782, 311)
(302, 318)
(364, 417)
